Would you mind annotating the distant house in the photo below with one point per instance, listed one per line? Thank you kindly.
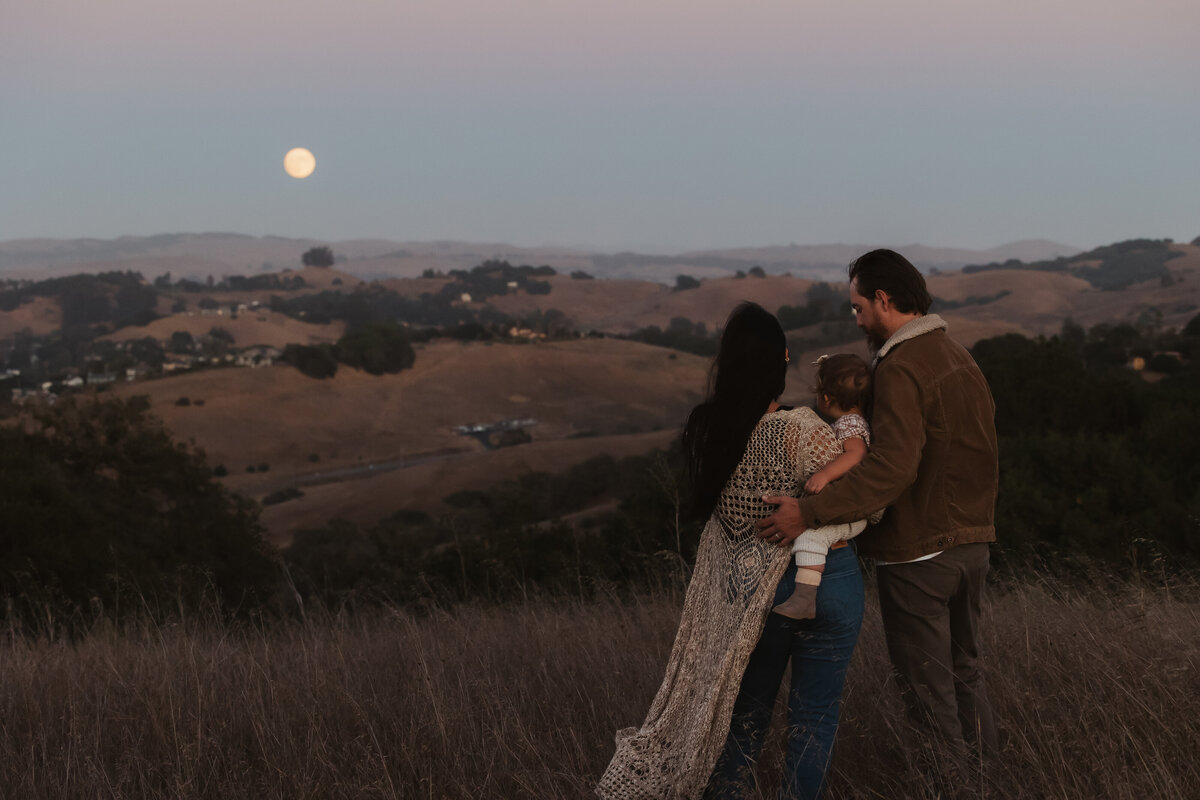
(100, 378)
(465, 297)
(524, 333)
(260, 356)
(22, 396)
(176, 361)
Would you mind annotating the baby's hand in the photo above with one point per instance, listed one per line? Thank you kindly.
(815, 484)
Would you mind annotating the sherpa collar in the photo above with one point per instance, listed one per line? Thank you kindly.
(910, 330)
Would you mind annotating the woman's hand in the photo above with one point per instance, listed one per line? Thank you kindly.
(785, 524)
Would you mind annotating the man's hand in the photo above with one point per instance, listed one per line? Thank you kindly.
(785, 524)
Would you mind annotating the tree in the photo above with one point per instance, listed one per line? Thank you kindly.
(181, 342)
(98, 505)
(684, 282)
(376, 348)
(315, 362)
(317, 257)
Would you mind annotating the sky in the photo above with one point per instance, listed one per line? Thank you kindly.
(656, 125)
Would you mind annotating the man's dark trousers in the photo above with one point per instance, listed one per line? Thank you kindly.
(930, 615)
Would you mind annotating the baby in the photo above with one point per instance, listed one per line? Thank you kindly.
(843, 389)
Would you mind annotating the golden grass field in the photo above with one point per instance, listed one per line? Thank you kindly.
(253, 327)
(1094, 693)
(40, 317)
(606, 390)
(638, 304)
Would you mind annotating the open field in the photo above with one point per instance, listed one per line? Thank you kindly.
(1039, 301)
(582, 393)
(625, 306)
(369, 497)
(254, 327)
(1095, 696)
(41, 317)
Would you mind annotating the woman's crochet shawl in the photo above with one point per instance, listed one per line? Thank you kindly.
(733, 584)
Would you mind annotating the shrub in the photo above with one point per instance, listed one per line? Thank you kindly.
(317, 257)
(685, 282)
(102, 506)
(377, 348)
(314, 361)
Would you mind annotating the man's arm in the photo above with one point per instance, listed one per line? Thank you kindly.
(898, 437)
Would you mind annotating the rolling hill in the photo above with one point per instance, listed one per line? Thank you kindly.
(198, 255)
(587, 396)
(362, 446)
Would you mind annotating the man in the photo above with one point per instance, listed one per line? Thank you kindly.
(933, 463)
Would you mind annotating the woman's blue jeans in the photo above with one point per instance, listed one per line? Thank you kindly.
(820, 651)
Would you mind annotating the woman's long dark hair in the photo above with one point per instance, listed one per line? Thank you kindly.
(750, 371)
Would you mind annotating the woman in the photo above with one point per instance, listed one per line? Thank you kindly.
(725, 667)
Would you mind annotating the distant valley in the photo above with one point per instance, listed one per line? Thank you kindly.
(594, 364)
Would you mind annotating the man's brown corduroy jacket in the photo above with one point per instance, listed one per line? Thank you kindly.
(933, 460)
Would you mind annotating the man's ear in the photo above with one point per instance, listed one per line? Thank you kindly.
(881, 297)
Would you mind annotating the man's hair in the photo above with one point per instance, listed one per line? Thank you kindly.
(896, 276)
(846, 378)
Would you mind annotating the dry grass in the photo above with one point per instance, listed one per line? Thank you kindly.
(1095, 696)
(259, 327)
(279, 417)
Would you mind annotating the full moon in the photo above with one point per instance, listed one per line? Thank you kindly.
(299, 162)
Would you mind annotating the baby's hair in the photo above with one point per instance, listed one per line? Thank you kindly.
(846, 378)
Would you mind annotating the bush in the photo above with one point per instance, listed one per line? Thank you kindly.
(317, 257)
(377, 348)
(1161, 362)
(314, 361)
(685, 282)
(100, 505)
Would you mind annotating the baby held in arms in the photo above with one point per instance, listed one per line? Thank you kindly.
(843, 389)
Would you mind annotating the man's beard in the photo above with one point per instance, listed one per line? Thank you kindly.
(876, 338)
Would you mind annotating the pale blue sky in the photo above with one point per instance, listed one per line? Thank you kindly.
(661, 125)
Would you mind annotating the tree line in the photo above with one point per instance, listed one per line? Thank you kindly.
(99, 507)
